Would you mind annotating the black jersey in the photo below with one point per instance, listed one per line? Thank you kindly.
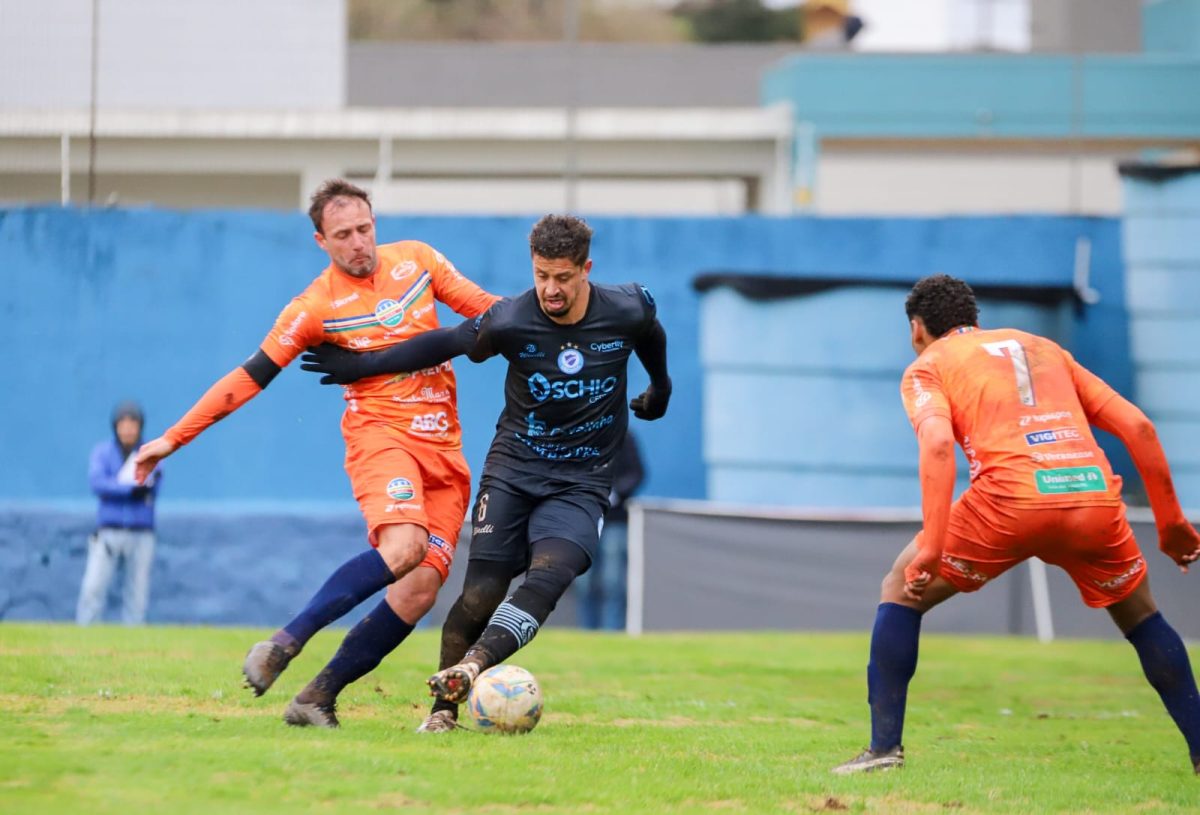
(565, 406)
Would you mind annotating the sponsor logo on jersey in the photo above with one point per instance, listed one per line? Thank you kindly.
(1052, 436)
(360, 342)
(403, 269)
(389, 312)
(647, 296)
(531, 352)
(401, 489)
(542, 388)
(482, 530)
(430, 422)
(923, 399)
(1123, 578)
(350, 298)
(288, 337)
(1074, 456)
(436, 542)
(609, 345)
(1038, 418)
(1070, 480)
(570, 360)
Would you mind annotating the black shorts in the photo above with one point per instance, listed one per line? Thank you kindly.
(506, 520)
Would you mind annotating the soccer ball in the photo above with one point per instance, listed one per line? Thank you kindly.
(505, 699)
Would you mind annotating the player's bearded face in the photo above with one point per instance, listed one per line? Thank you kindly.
(349, 236)
(559, 283)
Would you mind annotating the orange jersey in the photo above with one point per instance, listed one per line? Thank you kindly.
(1019, 405)
(394, 304)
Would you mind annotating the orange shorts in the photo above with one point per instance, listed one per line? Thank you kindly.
(398, 480)
(1092, 544)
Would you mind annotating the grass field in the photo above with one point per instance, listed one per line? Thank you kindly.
(107, 720)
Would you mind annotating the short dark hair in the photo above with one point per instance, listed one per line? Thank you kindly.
(942, 302)
(561, 236)
(329, 190)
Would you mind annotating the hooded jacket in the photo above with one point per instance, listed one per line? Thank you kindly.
(123, 503)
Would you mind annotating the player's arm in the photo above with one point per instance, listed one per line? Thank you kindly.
(298, 325)
(1108, 410)
(935, 441)
(651, 350)
(228, 394)
(455, 289)
(928, 409)
(341, 366)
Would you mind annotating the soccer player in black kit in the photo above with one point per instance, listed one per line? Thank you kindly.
(544, 490)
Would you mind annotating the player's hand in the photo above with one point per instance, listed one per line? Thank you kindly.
(1181, 543)
(919, 574)
(651, 404)
(340, 365)
(148, 456)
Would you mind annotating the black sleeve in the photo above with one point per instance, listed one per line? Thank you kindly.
(651, 349)
(486, 340)
(262, 368)
(425, 350)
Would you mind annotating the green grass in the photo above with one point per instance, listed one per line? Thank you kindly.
(108, 720)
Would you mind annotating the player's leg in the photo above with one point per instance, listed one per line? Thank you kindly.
(1114, 577)
(387, 484)
(895, 639)
(564, 531)
(93, 591)
(139, 557)
(375, 636)
(484, 588)
(446, 482)
(499, 551)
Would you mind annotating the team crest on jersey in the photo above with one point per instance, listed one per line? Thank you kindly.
(389, 313)
(570, 359)
(404, 269)
(401, 489)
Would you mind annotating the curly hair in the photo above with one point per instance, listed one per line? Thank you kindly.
(942, 302)
(329, 190)
(561, 236)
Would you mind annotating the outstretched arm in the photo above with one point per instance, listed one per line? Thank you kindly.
(1176, 537)
(229, 393)
(341, 366)
(651, 349)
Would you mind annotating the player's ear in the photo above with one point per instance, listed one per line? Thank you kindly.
(320, 239)
(587, 266)
(918, 334)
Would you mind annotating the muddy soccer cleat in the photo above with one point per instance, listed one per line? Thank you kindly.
(454, 683)
(869, 762)
(264, 664)
(440, 721)
(310, 714)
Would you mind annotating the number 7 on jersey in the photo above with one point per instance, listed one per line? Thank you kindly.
(1013, 350)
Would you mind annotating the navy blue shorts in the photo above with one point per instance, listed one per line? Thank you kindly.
(506, 521)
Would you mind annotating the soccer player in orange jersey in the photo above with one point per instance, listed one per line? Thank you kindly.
(403, 441)
(1020, 406)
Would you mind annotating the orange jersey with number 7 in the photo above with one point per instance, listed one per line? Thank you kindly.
(1019, 405)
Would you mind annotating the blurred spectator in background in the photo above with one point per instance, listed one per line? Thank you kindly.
(124, 522)
(602, 587)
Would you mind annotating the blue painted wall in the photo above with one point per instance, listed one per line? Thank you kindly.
(155, 304)
(1162, 250)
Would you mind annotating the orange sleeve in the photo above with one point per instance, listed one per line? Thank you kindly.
(229, 393)
(454, 289)
(1094, 393)
(298, 326)
(922, 393)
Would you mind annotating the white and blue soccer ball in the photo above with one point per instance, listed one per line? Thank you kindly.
(505, 699)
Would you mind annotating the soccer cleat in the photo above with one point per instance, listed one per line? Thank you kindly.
(263, 665)
(303, 714)
(869, 762)
(440, 721)
(454, 683)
